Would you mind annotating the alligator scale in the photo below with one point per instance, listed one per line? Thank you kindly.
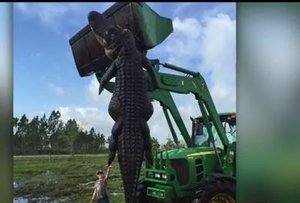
(130, 106)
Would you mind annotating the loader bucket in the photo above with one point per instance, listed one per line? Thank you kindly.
(148, 28)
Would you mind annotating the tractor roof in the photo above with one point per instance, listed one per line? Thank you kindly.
(224, 117)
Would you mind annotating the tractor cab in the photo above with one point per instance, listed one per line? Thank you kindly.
(200, 135)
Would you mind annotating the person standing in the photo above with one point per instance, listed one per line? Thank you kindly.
(100, 194)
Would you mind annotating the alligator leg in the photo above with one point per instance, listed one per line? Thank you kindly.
(147, 141)
(109, 74)
(147, 65)
(113, 142)
(114, 110)
(148, 111)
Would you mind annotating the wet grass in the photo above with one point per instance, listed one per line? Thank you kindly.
(65, 177)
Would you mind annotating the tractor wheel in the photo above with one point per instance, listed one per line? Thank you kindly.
(218, 191)
(141, 193)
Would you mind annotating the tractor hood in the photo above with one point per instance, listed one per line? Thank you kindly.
(186, 152)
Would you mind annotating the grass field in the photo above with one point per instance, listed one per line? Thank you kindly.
(63, 178)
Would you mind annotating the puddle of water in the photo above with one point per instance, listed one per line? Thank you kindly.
(42, 199)
(49, 200)
(18, 185)
(116, 193)
(46, 178)
(37, 200)
(20, 200)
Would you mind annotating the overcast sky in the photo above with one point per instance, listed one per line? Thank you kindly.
(46, 78)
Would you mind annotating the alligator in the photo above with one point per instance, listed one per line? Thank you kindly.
(129, 106)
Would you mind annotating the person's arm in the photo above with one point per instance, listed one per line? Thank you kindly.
(107, 172)
(94, 196)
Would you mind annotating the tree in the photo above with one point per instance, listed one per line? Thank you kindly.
(155, 144)
(170, 144)
(181, 144)
(44, 133)
(21, 134)
(17, 140)
(108, 139)
(80, 142)
(89, 144)
(15, 122)
(53, 122)
(55, 132)
(92, 134)
(71, 131)
(102, 141)
(33, 138)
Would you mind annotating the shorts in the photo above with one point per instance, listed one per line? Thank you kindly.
(103, 200)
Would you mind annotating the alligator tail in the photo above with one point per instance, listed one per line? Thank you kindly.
(131, 153)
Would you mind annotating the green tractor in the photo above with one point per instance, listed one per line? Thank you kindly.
(205, 170)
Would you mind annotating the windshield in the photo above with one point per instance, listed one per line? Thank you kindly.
(201, 139)
(230, 133)
(201, 136)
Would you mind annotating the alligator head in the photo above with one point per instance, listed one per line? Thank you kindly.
(108, 35)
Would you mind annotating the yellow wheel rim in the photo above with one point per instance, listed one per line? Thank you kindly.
(222, 198)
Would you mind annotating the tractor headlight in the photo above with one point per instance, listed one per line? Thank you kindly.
(164, 176)
(157, 175)
(151, 175)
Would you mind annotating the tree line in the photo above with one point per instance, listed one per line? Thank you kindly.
(42, 135)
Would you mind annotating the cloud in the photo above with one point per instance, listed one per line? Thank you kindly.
(182, 7)
(88, 117)
(183, 42)
(204, 10)
(57, 90)
(219, 60)
(206, 45)
(221, 8)
(57, 15)
(47, 13)
(158, 124)
(209, 47)
(92, 94)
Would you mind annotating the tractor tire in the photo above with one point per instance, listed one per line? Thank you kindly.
(141, 193)
(219, 191)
